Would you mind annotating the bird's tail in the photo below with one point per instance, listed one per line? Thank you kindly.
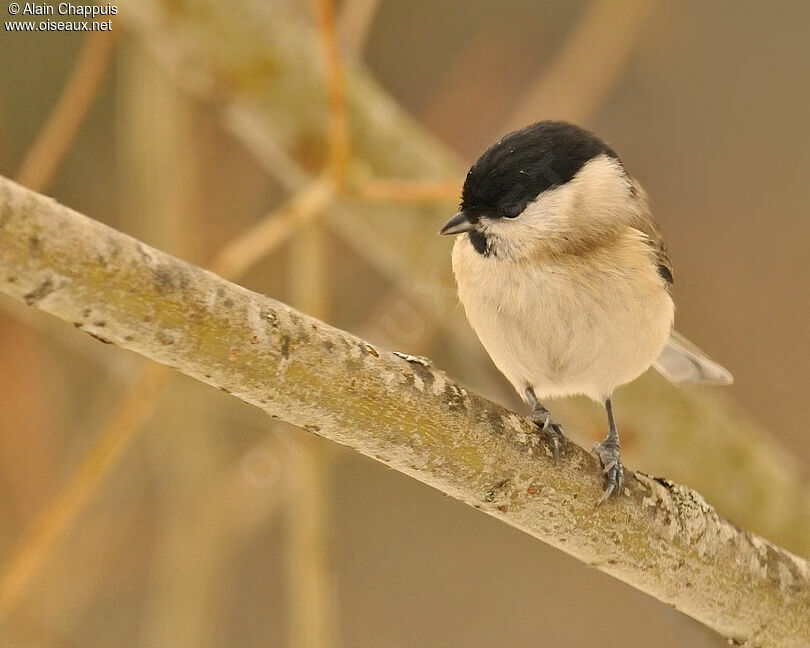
(682, 363)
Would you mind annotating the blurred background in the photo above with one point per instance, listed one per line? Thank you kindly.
(140, 508)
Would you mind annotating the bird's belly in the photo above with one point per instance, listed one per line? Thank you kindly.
(546, 330)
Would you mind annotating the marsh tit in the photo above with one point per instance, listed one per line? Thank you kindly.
(564, 276)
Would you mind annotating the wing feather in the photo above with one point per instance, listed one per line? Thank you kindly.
(682, 363)
(645, 223)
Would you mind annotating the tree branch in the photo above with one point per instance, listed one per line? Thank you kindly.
(660, 538)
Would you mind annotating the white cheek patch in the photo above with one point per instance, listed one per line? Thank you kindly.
(542, 219)
(598, 193)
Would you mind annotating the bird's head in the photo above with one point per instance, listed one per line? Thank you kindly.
(550, 186)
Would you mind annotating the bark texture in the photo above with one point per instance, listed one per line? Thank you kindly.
(660, 537)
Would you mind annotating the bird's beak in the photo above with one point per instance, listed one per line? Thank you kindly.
(458, 224)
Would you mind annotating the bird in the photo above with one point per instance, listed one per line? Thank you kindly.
(563, 274)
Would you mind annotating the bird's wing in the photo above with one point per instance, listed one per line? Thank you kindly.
(645, 223)
(682, 363)
(664, 265)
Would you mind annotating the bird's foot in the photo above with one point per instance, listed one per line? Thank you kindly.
(552, 431)
(609, 454)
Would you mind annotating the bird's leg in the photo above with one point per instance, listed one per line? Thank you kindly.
(609, 454)
(541, 417)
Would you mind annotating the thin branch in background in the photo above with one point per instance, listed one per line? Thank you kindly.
(135, 407)
(336, 92)
(355, 22)
(248, 123)
(245, 122)
(53, 142)
(311, 592)
(308, 271)
(269, 233)
(312, 615)
(409, 191)
(587, 66)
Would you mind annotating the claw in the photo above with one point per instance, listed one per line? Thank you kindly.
(554, 442)
(551, 430)
(606, 495)
(609, 456)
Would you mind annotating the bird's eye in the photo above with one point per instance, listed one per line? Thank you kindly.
(513, 211)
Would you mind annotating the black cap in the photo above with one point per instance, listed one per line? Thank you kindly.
(521, 165)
